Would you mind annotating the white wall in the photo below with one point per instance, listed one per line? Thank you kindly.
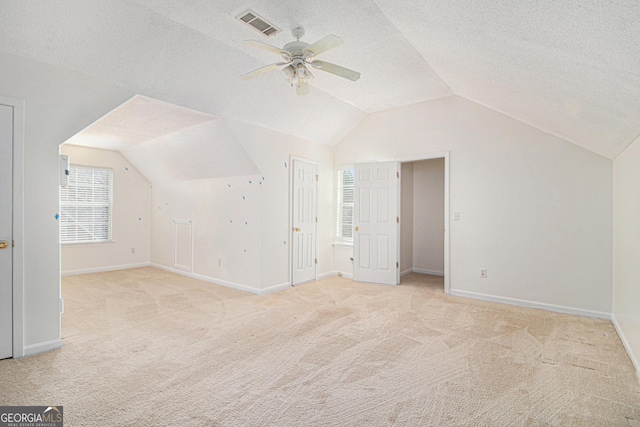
(535, 210)
(626, 247)
(428, 216)
(131, 216)
(241, 220)
(271, 151)
(406, 218)
(58, 104)
(226, 226)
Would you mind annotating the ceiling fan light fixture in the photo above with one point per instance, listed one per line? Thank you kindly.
(297, 56)
(301, 71)
(288, 72)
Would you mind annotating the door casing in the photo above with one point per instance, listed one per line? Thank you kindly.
(18, 223)
(447, 220)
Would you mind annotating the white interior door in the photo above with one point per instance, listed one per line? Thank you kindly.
(6, 225)
(304, 221)
(376, 223)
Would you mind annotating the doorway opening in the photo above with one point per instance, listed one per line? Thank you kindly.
(423, 223)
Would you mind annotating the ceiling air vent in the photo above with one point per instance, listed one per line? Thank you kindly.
(258, 23)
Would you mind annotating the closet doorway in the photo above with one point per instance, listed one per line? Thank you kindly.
(423, 223)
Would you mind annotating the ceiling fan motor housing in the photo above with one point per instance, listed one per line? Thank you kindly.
(296, 48)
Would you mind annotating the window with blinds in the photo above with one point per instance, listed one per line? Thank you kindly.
(86, 205)
(344, 223)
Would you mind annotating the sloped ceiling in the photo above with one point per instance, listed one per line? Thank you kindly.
(169, 143)
(137, 121)
(570, 68)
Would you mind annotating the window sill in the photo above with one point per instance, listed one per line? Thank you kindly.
(86, 243)
(343, 244)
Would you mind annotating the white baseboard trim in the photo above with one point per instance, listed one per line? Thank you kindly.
(103, 269)
(275, 288)
(335, 274)
(532, 304)
(407, 271)
(215, 281)
(41, 347)
(423, 271)
(627, 346)
(327, 274)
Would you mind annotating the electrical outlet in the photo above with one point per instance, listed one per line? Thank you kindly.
(456, 216)
(219, 262)
(483, 273)
(133, 250)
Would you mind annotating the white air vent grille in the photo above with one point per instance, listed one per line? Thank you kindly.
(258, 23)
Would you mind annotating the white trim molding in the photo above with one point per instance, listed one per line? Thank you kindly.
(447, 219)
(275, 288)
(424, 271)
(327, 275)
(627, 346)
(238, 286)
(17, 231)
(41, 347)
(532, 304)
(335, 274)
(104, 269)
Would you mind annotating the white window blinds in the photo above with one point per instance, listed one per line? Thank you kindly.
(86, 205)
(344, 223)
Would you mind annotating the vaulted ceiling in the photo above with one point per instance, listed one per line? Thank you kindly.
(570, 68)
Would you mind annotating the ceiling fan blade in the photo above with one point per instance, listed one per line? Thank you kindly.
(323, 45)
(335, 69)
(302, 87)
(263, 70)
(267, 47)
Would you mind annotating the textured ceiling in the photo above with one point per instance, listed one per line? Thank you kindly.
(570, 68)
(139, 120)
(202, 152)
(169, 143)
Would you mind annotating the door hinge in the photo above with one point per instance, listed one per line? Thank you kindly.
(317, 177)
(398, 174)
(397, 264)
(398, 220)
(316, 219)
(316, 260)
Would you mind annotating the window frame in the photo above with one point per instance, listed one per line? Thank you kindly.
(109, 205)
(340, 239)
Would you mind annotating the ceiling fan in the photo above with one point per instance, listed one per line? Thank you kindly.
(298, 56)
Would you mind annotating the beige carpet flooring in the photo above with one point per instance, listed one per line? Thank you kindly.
(145, 347)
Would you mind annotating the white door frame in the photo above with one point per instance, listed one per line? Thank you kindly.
(290, 234)
(447, 261)
(18, 223)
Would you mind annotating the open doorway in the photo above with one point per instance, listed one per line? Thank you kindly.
(422, 224)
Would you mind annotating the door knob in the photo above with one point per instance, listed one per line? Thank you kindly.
(297, 229)
(3, 244)
(357, 229)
